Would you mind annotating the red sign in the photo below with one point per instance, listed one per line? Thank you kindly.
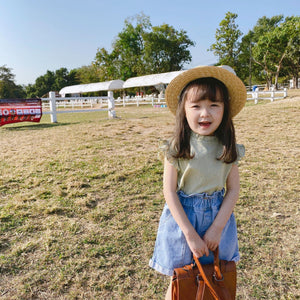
(20, 110)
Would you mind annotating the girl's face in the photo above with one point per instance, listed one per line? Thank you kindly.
(203, 116)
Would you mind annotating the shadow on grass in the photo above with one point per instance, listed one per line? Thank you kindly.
(37, 126)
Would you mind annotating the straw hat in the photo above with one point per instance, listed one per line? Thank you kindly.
(236, 88)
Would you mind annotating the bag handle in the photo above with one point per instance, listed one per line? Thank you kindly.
(217, 273)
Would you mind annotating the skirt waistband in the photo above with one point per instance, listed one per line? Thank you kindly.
(201, 200)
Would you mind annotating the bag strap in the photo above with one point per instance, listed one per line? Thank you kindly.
(200, 290)
(217, 273)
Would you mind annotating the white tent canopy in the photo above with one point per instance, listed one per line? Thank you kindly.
(92, 87)
(156, 80)
(151, 80)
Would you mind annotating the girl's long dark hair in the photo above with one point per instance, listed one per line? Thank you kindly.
(201, 89)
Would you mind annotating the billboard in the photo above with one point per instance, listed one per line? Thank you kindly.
(20, 110)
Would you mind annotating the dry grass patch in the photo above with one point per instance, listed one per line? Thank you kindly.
(80, 202)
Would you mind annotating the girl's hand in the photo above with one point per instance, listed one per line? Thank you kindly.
(212, 237)
(197, 245)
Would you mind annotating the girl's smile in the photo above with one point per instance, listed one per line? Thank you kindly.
(204, 124)
(204, 116)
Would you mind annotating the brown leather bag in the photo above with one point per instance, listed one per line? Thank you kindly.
(215, 281)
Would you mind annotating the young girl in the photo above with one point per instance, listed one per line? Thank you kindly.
(200, 161)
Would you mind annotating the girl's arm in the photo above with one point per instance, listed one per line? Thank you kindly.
(196, 244)
(212, 236)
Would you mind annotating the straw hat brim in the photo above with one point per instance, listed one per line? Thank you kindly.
(236, 88)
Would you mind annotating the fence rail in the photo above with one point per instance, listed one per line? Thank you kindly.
(81, 102)
(58, 105)
(139, 100)
(266, 95)
(56, 102)
(102, 102)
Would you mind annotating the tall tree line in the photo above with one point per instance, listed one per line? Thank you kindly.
(271, 49)
(268, 53)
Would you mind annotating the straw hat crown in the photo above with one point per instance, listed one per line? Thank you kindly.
(236, 88)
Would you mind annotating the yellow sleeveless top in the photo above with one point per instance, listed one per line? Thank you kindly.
(204, 173)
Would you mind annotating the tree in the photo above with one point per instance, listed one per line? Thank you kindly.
(270, 49)
(276, 41)
(62, 78)
(8, 88)
(227, 44)
(88, 74)
(51, 81)
(291, 61)
(129, 47)
(261, 45)
(108, 66)
(141, 49)
(126, 58)
(263, 51)
(43, 85)
(166, 49)
(247, 70)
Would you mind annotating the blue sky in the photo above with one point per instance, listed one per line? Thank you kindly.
(41, 35)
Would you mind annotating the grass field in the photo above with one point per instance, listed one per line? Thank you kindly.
(80, 202)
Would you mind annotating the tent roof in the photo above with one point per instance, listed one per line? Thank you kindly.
(151, 80)
(147, 80)
(92, 87)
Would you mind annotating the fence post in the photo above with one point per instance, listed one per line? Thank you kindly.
(256, 96)
(284, 92)
(160, 96)
(52, 103)
(111, 105)
(272, 94)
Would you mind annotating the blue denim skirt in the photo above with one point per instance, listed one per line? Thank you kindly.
(171, 249)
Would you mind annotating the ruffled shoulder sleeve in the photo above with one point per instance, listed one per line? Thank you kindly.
(240, 152)
(166, 149)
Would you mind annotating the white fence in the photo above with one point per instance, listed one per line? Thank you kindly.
(78, 102)
(266, 95)
(53, 103)
(141, 100)
(60, 105)
(108, 103)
